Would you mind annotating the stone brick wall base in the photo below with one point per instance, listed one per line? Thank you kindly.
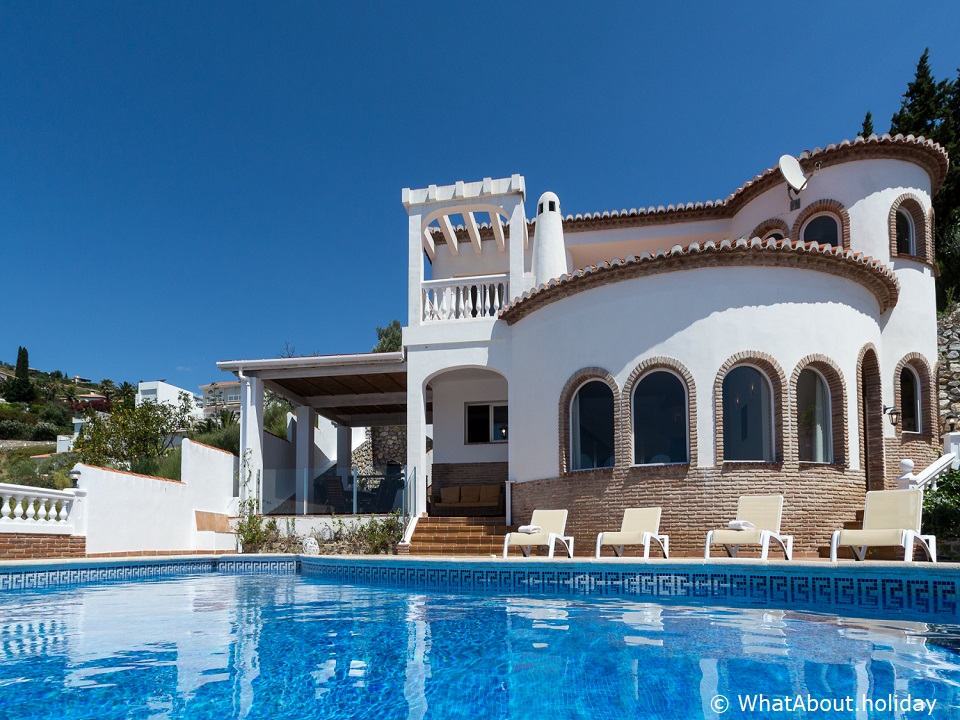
(30, 546)
(818, 499)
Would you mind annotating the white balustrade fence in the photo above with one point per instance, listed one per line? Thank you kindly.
(464, 298)
(28, 509)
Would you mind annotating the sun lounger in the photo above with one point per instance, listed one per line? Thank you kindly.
(891, 518)
(763, 513)
(638, 527)
(552, 524)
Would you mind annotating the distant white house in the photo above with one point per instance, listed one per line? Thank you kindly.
(221, 396)
(160, 391)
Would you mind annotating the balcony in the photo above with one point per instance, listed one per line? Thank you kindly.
(463, 298)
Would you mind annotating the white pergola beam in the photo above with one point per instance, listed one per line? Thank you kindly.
(428, 245)
(473, 231)
(450, 234)
(284, 393)
(497, 224)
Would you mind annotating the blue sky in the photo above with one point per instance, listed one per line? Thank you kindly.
(182, 183)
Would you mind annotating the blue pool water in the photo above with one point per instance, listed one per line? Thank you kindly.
(274, 647)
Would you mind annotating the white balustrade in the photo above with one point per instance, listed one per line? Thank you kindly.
(36, 510)
(464, 298)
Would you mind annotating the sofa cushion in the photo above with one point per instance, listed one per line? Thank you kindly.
(489, 493)
(450, 494)
(470, 493)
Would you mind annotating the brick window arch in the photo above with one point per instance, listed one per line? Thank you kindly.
(830, 372)
(773, 225)
(772, 373)
(920, 418)
(567, 396)
(820, 207)
(627, 414)
(906, 214)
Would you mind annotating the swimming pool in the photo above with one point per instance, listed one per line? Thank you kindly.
(221, 639)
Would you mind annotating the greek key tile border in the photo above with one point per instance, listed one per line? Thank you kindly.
(922, 594)
(33, 578)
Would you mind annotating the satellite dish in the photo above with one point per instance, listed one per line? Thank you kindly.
(792, 173)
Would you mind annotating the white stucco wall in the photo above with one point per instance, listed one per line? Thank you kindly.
(451, 393)
(786, 313)
(130, 513)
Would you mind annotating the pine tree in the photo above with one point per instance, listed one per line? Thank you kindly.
(866, 129)
(922, 109)
(20, 389)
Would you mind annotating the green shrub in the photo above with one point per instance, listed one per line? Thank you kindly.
(14, 430)
(941, 507)
(55, 414)
(227, 438)
(166, 466)
(44, 431)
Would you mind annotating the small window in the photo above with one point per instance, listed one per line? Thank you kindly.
(660, 420)
(747, 415)
(540, 209)
(910, 400)
(591, 427)
(233, 397)
(775, 235)
(906, 240)
(814, 436)
(823, 230)
(486, 423)
(553, 206)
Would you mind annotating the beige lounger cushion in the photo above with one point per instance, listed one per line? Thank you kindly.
(880, 538)
(470, 494)
(551, 521)
(736, 537)
(450, 494)
(623, 538)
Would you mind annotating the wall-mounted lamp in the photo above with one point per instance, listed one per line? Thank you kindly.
(950, 423)
(894, 414)
(503, 432)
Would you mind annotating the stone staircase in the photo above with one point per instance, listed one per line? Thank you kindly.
(466, 536)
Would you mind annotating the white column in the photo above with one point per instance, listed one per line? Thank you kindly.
(344, 452)
(306, 420)
(414, 269)
(416, 435)
(251, 437)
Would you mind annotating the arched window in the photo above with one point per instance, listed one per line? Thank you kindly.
(906, 236)
(660, 419)
(814, 436)
(910, 400)
(747, 416)
(591, 427)
(822, 229)
(775, 235)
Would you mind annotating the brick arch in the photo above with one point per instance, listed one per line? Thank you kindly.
(928, 394)
(566, 397)
(870, 417)
(838, 403)
(626, 404)
(912, 205)
(931, 241)
(833, 207)
(769, 226)
(769, 366)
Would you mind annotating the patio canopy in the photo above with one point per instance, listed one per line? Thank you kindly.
(363, 390)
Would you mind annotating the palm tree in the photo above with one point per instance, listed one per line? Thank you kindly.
(126, 393)
(108, 388)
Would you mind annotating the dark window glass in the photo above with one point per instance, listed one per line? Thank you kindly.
(904, 235)
(592, 427)
(659, 420)
(553, 206)
(478, 423)
(499, 423)
(909, 401)
(775, 236)
(822, 230)
(813, 418)
(747, 426)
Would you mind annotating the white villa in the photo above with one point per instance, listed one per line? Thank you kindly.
(678, 356)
